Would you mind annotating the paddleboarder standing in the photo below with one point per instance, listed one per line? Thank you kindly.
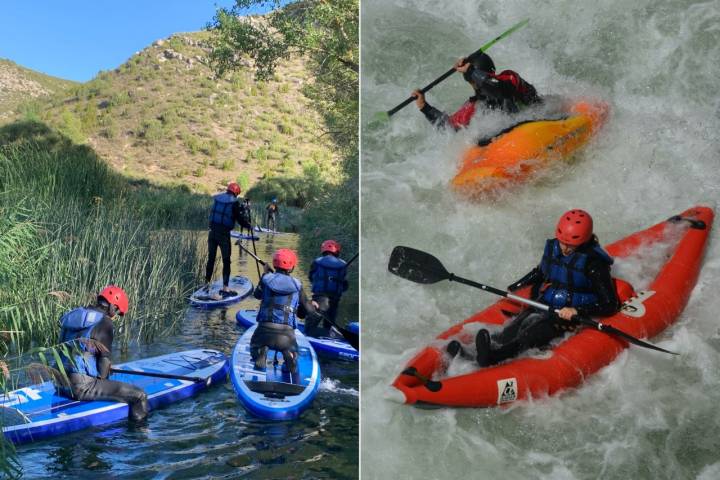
(225, 213)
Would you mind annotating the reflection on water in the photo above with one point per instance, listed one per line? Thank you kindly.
(211, 435)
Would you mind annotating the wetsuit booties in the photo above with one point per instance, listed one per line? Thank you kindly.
(482, 344)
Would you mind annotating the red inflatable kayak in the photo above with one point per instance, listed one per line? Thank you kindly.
(643, 315)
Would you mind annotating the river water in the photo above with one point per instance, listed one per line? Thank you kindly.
(211, 435)
(646, 415)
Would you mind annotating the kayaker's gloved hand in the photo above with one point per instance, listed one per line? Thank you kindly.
(419, 98)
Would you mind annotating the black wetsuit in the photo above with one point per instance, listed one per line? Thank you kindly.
(536, 329)
(494, 93)
(87, 388)
(219, 236)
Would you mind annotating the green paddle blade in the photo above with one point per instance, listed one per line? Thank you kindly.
(416, 266)
(379, 120)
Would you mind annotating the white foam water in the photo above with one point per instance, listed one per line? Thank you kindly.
(647, 415)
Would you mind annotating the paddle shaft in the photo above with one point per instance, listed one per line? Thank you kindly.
(252, 239)
(352, 259)
(158, 375)
(541, 306)
(257, 259)
(445, 75)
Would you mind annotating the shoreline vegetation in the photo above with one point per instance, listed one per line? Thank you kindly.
(69, 225)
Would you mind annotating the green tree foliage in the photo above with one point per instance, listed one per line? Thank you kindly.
(325, 31)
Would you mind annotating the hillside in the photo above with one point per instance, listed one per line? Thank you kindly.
(163, 116)
(18, 84)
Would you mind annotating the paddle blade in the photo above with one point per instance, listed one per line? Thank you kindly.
(416, 266)
(379, 120)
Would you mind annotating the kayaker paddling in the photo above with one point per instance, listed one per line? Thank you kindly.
(506, 91)
(573, 278)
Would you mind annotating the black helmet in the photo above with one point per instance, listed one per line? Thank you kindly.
(481, 61)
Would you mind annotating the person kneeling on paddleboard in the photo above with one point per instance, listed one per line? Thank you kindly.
(281, 299)
(573, 278)
(327, 275)
(90, 331)
(505, 91)
(225, 212)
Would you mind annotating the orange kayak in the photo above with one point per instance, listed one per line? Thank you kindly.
(520, 151)
(643, 315)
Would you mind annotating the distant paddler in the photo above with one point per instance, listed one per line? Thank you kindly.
(225, 213)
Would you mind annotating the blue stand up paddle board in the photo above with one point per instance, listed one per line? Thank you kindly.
(266, 230)
(38, 412)
(207, 299)
(243, 236)
(274, 394)
(328, 347)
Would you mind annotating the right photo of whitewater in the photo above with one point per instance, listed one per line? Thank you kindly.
(540, 268)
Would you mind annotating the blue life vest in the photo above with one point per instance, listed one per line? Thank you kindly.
(79, 323)
(280, 299)
(569, 284)
(221, 213)
(327, 275)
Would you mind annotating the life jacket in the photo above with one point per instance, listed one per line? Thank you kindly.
(221, 213)
(280, 299)
(522, 90)
(569, 285)
(328, 275)
(79, 323)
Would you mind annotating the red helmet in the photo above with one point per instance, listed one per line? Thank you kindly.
(284, 258)
(574, 228)
(233, 188)
(330, 246)
(116, 296)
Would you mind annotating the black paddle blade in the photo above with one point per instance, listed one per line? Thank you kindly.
(416, 266)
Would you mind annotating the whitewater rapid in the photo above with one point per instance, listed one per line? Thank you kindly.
(646, 415)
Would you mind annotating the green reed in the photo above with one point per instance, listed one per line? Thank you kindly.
(70, 225)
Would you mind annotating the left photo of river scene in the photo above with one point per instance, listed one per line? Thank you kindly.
(179, 239)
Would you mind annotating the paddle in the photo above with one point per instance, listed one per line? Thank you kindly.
(381, 116)
(352, 338)
(347, 264)
(420, 267)
(163, 375)
(252, 238)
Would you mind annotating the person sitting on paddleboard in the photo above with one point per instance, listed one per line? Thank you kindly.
(282, 299)
(225, 212)
(573, 278)
(88, 332)
(327, 275)
(505, 91)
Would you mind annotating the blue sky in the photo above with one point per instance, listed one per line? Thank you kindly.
(75, 39)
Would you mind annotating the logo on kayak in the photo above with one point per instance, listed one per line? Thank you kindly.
(634, 307)
(507, 390)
